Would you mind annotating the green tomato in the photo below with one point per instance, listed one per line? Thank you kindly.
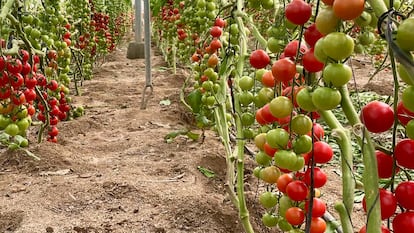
(337, 74)
(407, 77)
(284, 204)
(259, 74)
(304, 100)
(12, 129)
(277, 138)
(364, 19)
(4, 121)
(405, 35)
(409, 129)
(247, 118)
(284, 225)
(268, 199)
(338, 45)
(285, 159)
(256, 171)
(298, 165)
(325, 98)
(366, 38)
(281, 107)
(263, 159)
(23, 124)
(318, 51)
(246, 83)
(301, 124)
(274, 45)
(267, 4)
(408, 97)
(245, 98)
(302, 144)
(265, 94)
(270, 220)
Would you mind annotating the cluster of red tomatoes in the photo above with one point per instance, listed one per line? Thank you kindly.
(19, 98)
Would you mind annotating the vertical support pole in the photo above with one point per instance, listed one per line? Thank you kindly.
(147, 45)
(138, 21)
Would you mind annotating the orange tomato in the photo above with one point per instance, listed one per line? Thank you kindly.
(348, 9)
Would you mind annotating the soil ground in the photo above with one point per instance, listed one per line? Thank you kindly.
(112, 170)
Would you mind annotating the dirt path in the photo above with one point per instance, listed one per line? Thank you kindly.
(112, 171)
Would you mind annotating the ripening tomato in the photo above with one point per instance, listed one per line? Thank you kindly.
(281, 106)
(270, 174)
(283, 181)
(298, 12)
(404, 152)
(388, 203)
(259, 59)
(268, 80)
(326, 21)
(403, 193)
(267, 115)
(348, 9)
(377, 116)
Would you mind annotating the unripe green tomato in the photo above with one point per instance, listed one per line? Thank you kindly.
(284, 225)
(256, 171)
(270, 220)
(247, 118)
(277, 138)
(405, 35)
(301, 124)
(407, 77)
(248, 133)
(259, 74)
(246, 83)
(409, 129)
(268, 199)
(364, 19)
(338, 45)
(274, 45)
(326, 21)
(408, 97)
(12, 129)
(302, 144)
(337, 74)
(263, 159)
(245, 98)
(267, 4)
(304, 100)
(325, 98)
(318, 51)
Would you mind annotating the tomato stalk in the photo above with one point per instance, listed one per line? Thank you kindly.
(5, 10)
(378, 6)
(370, 174)
(343, 138)
(243, 211)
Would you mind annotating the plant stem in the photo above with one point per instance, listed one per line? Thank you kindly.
(343, 139)
(370, 174)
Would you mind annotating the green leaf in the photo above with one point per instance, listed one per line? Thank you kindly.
(194, 100)
(193, 136)
(206, 172)
(165, 102)
(156, 6)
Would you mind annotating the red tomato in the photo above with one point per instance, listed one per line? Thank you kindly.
(377, 116)
(403, 223)
(403, 193)
(322, 152)
(384, 229)
(220, 22)
(318, 132)
(292, 47)
(319, 177)
(312, 35)
(216, 31)
(215, 44)
(388, 203)
(259, 118)
(385, 164)
(404, 152)
(259, 59)
(267, 115)
(297, 190)
(318, 225)
(298, 12)
(404, 115)
(310, 63)
(295, 216)
(284, 70)
(269, 150)
(318, 207)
